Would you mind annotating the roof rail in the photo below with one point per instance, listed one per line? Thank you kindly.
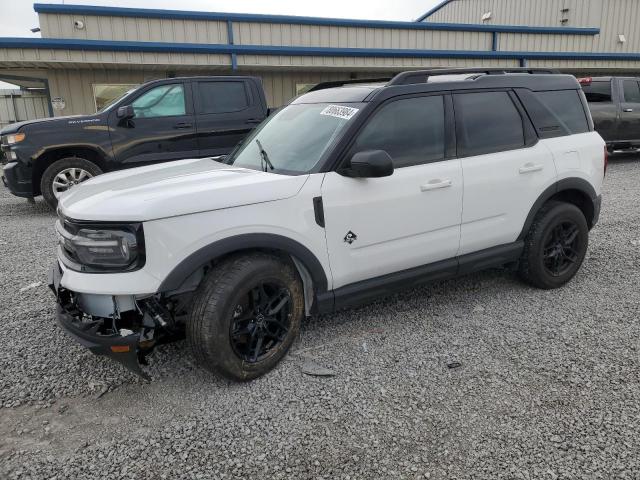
(422, 76)
(340, 83)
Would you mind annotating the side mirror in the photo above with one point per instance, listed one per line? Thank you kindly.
(125, 112)
(370, 164)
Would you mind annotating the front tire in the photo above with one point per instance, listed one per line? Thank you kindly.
(64, 174)
(246, 315)
(555, 246)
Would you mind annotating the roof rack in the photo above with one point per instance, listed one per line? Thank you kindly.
(422, 76)
(340, 83)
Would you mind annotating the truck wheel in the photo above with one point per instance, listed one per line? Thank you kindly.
(555, 246)
(63, 174)
(245, 316)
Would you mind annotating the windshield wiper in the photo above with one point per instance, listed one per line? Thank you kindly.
(264, 157)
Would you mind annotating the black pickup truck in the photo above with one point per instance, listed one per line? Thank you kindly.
(615, 107)
(159, 121)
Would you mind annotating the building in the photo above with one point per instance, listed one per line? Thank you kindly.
(88, 55)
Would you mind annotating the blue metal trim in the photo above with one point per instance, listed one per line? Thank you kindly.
(336, 22)
(229, 32)
(127, 46)
(494, 42)
(442, 4)
(234, 57)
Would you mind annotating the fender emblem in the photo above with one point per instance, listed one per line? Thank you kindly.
(350, 237)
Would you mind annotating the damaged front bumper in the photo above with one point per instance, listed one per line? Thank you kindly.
(127, 343)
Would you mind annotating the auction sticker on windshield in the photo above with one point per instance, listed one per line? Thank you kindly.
(339, 111)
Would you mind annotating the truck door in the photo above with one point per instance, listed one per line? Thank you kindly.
(226, 111)
(629, 122)
(162, 128)
(603, 107)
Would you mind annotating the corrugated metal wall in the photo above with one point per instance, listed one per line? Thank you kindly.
(17, 105)
(613, 17)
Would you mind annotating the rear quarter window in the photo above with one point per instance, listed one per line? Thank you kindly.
(598, 91)
(566, 109)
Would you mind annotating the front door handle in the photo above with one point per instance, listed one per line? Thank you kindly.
(435, 184)
(183, 125)
(628, 110)
(530, 167)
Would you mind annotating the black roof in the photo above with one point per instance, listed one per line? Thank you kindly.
(422, 81)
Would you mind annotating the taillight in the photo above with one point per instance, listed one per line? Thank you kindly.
(585, 81)
(606, 159)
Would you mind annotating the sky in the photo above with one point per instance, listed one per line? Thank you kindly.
(18, 16)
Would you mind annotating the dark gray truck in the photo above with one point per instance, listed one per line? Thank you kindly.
(615, 107)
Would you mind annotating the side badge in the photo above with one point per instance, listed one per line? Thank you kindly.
(350, 237)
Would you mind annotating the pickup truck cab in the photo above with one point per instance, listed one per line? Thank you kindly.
(159, 121)
(615, 107)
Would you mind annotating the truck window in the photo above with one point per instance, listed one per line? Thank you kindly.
(631, 91)
(222, 97)
(566, 108)
(161, 101)
(487, 122)
(598, 91)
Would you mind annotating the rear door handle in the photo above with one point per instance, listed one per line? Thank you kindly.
(530, 167)
(253, 121)
(435, 184)
(183, 125)
(628, 110)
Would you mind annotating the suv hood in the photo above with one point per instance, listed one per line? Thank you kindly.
(14, 127)
(175, 188)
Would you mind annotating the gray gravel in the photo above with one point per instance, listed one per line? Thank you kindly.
(481, 377)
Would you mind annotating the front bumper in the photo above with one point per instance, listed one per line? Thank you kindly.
(17, 176)
(126, 350)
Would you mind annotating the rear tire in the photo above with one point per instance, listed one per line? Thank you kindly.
(246, 314)
(69, 170)
(555, 246)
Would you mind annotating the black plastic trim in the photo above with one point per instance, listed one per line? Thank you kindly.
(318, 210)
(370, 289)
(266, 241)
(560, 186)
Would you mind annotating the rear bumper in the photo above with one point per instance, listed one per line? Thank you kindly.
(16, 176)
(85, 329)
(597, 205)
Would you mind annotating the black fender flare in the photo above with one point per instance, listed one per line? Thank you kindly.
(249, 241)
(572, 183)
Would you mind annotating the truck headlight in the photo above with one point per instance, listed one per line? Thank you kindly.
(14, 138)
(98, 248)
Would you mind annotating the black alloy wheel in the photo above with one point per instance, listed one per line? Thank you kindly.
(562, 248)
(261, 321)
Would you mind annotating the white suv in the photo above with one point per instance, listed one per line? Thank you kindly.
(345, 194)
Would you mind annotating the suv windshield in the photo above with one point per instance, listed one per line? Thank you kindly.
(294, 139)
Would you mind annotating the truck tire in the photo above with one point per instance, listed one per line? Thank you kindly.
(63, 174)
(555, 246)
(245, 316)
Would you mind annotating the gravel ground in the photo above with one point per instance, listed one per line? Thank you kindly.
(548, 383)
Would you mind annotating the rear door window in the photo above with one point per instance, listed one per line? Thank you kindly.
(631, 91)
(598, 91)
(222, 97)
(487, 122)
(566, 108)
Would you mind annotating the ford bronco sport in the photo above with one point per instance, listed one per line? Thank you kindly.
(344, 195)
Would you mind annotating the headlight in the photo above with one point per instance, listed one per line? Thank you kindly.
(97, 248)
(14, 138)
